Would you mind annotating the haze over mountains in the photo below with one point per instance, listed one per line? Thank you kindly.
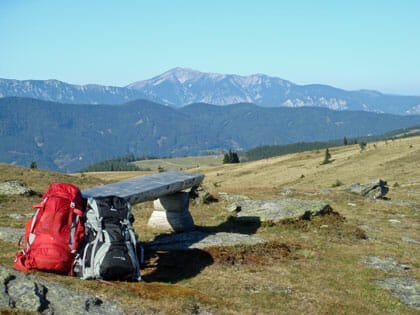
(68, 137)
(179, 87)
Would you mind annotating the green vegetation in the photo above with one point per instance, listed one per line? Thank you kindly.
(33, 165)
(115, 165)
(337, 183)
(267, 151)
(231, 157)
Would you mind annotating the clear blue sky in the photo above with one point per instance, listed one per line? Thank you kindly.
(348, 44)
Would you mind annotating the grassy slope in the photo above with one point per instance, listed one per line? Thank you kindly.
(182, 163)
(313, 270)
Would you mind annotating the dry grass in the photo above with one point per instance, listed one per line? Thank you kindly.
(308, 267)
(181, 164)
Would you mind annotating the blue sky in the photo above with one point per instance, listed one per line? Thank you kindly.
(347, 44)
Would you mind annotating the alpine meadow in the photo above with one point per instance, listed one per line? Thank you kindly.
(209, 157)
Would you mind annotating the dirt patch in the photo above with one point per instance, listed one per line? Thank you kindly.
(332, 225)
(261, 254)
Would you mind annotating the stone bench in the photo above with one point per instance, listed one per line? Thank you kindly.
(166, 189)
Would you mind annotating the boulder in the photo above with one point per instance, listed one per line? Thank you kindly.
(15, 187)
(23, 293)
(374, 190)
(201, 240)
(276, 210)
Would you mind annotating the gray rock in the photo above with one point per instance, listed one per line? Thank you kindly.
(232, 198)
(15, 187)
(276, 210)
(386, 264)
(374, 190)
(25, 293)
(11, 234)
(200, 240)
(5, 277)
(407, 290)
(410, 240)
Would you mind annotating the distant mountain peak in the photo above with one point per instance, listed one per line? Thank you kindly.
(181, 86)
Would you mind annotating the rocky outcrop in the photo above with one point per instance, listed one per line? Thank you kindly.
(24, 293)
(11, 234)
(374, 190)
(15, 187)
(201, 240)
(407, 290)
(386, 264)
(276, 210)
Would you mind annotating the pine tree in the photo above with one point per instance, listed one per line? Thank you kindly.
(327, 157)
(345, 142)
(33, 165)
(231, 157)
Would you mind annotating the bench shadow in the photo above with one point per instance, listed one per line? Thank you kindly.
(234, 225)
(174, 266)
(173, 263)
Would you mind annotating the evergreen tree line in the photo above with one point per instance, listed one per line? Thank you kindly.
(117, 164)
(268, 151)
(231, 157)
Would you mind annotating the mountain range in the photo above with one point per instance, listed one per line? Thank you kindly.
(68, 137)
(179, 87)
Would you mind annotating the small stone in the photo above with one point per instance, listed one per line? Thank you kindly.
(285, 290)
(394, 221)
(16, 216)
(410, 240)
(351, 204)
(324, 226)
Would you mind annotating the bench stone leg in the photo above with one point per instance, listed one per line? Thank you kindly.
(171, 213)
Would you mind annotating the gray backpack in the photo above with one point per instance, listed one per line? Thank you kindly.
(111, 251)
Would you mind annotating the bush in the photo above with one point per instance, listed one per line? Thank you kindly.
(337, 183)
(33, 165)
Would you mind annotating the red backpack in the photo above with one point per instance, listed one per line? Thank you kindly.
(55, 232)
